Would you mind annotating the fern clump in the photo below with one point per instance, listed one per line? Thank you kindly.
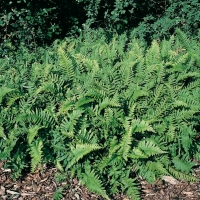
(105, 111)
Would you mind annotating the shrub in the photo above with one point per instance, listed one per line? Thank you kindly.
(36, 23)
(104, 110)
(184, 15)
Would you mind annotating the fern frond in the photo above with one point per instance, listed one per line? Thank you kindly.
(81, 150)
(10, 100)
(3, 91)
(183, 166)
(153, 54)
(37, 117)
(137, 153)
(142, 126)
(182, 176)
(45, 87)
(130, 188)
(183, 39)
(36, 153)
(67, 68)
(83, 101)
(125, 144)
(2, 134)
(74, 117)
(158, 92)
(108, 103)
(65, 106)
(32, 132)
(150, 148)
(93, 183)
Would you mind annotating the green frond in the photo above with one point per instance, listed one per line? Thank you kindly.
(179, 103)
(142, 126)
(86, 64)
(40, 117)
(180, 60)
(73, 118)
(65, 106)
(182, 176)
(83, 101)
(150, 148)
(137, 154)
(93, 183)
(183, 39)
(66, 64)
(57, 195)
(160, 73)
(80, 151)
(182, 165)
(158, 92)
(12, 97)
(153, 54)
(45, 87)
(2, 134)
(3, 91)
(184, 76)
(159, 168)
(166, 47)
(112, 154)
(32, 132)
(130, 187)
(125, 143)
(109, 103)
(170, 135)
(138, 92)
(36, 153)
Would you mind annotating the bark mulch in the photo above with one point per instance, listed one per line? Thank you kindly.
(42, 184)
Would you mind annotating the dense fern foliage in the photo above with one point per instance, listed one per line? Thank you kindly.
(105, 110)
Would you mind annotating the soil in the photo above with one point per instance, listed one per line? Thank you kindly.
(42, 184)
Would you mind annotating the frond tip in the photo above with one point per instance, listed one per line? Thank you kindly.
(94, 184)
(80, 151)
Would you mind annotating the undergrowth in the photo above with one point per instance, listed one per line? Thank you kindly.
(104, 110)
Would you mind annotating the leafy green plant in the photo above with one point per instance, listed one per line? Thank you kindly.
(184, 15)
(104, 110)
(36, 23)
(58, 194)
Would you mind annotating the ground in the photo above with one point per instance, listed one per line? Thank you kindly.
(41, 185)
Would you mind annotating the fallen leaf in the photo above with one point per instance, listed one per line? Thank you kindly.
(170, 180)
(2, 191)
(34, 184)
(188, 193)
(27, 194)
(12, 192)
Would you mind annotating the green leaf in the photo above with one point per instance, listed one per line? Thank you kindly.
(80, 151)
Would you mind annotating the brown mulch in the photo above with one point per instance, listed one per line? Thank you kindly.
(42, 184)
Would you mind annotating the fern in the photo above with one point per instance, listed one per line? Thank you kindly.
(182, 176)
(67, 68)
(57, 195)
(81, 150)
(92, 181)
(36, 153)
(33, 131)
(105, 105)
(2, 134)
(126, 140)
(38, 117)
(149, 148)
(183, 166)
(3, 91)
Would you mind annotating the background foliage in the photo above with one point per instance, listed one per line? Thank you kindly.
(41, 22)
